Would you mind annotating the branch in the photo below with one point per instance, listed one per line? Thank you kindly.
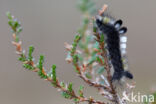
(106, 65)
(28, 63)
(100, 40)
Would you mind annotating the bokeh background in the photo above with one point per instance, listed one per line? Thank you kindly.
(48, 24)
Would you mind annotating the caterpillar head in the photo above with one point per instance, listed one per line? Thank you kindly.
(107, 20)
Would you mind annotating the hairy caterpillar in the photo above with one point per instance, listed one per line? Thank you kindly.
(116, 44)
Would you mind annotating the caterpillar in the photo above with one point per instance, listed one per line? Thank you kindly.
(115, 40)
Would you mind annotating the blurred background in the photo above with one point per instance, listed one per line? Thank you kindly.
(47, 24)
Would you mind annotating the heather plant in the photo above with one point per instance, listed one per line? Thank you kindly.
(88, 56)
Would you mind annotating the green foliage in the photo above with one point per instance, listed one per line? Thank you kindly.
(88, 75)
(81, 91)
(100, 70)
(75, 59)
(86, 6)
(40, 66)
(98, 59)
(54, 74)
(22, 58)
(80, 57)
(27, 66)
(62, 84)
(74, 45)
(76, 100)
(74, 67)
(31, 49)
(14, 24)
(70, 89)
(93, 59)
(94, 27)
(77, 38)
(102, 38)
(40, 62)
(66, 95)
(85, 23)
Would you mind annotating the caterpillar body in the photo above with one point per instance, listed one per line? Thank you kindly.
(115, 41)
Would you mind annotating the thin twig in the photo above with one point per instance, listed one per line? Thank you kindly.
(107, 67)
(57, 84)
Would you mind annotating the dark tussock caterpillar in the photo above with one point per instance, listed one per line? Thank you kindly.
(115, 41)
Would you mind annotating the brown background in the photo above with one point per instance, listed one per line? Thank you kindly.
(48, 24)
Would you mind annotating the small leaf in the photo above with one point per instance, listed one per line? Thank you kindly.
(85, 21)
(17, 38)
(75, 59)
(54, 67)
(102, 38)
(62, 84)
(86, 6)
(77, 38)
(100, 70)
(10, 23)
(70, 89)
(80, 57)
(81, 88)
(40, 66)
(19, 29)
(76, 100)
(54, 73)
(22, 59)
(74, 45)
(8, 14)
(27, 66)
(14, 24)
(93, 59)
(88, 75)
(66, 95)
(81, 91)
(75, 69)
(99, 59)
(40, 63)
(31, 49)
